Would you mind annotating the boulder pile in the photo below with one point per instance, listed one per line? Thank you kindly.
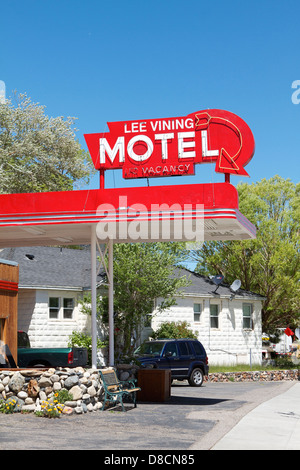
(255, 376)
(31, 387)
(84, 389)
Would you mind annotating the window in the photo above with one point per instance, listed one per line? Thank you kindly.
(183, 348)
(197, 312)
(247, 316)
(53, 307)
(61, 308)
(214, 316)
(68, 307)
(170, 350)
(198, 348)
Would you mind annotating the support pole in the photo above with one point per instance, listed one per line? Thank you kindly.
(102, 178)
(94, 296)
(111, 301)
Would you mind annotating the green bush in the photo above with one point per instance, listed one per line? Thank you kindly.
(174, 330)
(82, 340)
(285, 362)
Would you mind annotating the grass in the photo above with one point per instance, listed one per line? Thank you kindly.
(214, 369)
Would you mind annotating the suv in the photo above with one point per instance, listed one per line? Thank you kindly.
(186, 358)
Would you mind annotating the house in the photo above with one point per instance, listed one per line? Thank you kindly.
(227, 323)
(52, 281)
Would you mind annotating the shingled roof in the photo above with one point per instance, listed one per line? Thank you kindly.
(56, 267)
(42, 266)
(203, 286)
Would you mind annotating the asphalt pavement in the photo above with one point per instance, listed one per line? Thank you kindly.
(216, 416)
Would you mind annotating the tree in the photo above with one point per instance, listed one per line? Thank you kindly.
(270, 264)
(38, 153)
(143, 272)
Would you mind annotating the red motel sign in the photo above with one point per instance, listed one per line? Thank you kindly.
(172, 146)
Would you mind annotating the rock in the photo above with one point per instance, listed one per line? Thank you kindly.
(28, 407)
(33, 388)
(42, 395)
(45, 382)
(84, 380)
(86, 397)
(84, 407)
(92, 391)
(29, 401)
(16, 382)
(56, 386)
(67, 410)
(71, 404)
(76, 392)
(38, 406)
(71, 381)
(54, 378)
(6, 380)
(23, 395)
(90, 407)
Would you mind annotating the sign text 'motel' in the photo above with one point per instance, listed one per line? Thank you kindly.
(172, 146)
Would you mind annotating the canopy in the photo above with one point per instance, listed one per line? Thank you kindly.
(197, 212)
(67, 217)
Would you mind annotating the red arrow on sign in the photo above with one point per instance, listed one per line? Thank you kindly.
(234, 151)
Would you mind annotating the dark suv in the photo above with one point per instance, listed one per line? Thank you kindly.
(186, 358)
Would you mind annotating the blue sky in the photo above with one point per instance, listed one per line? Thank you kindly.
(118, 60)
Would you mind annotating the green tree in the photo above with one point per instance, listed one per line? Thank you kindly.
(143, 272)
(38, 153)
(270, 264)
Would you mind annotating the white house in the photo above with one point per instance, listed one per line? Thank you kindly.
(228, 324)
(52, 280)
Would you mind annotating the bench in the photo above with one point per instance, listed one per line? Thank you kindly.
(116, 390)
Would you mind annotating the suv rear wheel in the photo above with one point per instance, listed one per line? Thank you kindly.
(196, 378)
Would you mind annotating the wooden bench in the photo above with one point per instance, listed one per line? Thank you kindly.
(116, 390)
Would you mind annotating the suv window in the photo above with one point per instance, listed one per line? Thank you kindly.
(183, 349)
(198, 349)
(170, 350)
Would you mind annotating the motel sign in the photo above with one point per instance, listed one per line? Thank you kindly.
(172, 146)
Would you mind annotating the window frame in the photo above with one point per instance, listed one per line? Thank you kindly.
(196, 312)
(61, 309)
(248, 317)
(217, 317)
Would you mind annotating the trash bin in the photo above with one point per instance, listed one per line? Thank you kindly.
(155, 385)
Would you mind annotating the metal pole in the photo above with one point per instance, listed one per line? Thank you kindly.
(111, 301)
(94, 297)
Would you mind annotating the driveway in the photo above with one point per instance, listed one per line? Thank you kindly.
(193, 419)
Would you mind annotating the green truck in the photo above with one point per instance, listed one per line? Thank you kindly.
(48, 357)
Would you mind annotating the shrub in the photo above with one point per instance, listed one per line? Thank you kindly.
(82, 340)
(174, 330)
